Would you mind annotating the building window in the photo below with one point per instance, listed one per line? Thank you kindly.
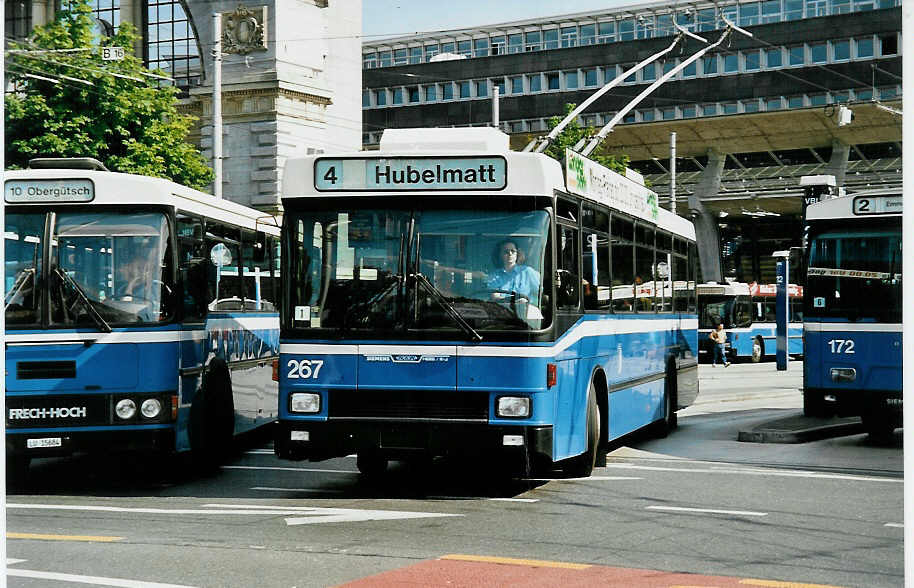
(551, 39)
(464, 89)
(816, 8)
(552, 81)
(647, 115)
(820, 99)
(796, 55)
(841, 50)
(750, 106)
(709, 109)
(626, 30)
(447, 47)
(171, 44)
(668, 113)
(588, 34)
(465, 48)
(481, 47)
(431, 51)
(709, 65)
(380, 97)
(649, 72)
(793, 9)
(864, 47)
(748, 14)
(688, 111)
(863, 95)
(500, 84)
(369, 60)
(447, 91)
(888, 93)
(668, 66)
(731, 107)
(690, 70)
(630, 79)
(385, 59)
(413, 93)
(840, 6)
(431, 94)
(773, 57)
(771, 11)
(18, 18)
(795, 102)
(590, 77)
(400, 57)
(569, 36)
(888, 45)
(535, 82)
(706, 20)
(533, 41)
(840, 97)
(108, 11)
(774, 103)
(397, 97)
(606, 32)
(517, 85)
(366, 98)
(731, 63)
(644, 28)
(664, 25)
(498, 46)
(571, 80)
(818, 52)
(482, 88)
(752, 60)
(415, 54)
(516, 43)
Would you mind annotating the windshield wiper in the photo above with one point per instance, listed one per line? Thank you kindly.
(18, 284)
(101, 322)
(448, 307)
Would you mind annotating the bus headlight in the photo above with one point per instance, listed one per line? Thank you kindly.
(125, 409)
(305, 402)
(516, 407)
(151, 408)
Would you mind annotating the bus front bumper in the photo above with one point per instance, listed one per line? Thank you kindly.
(51, 443)
(318, 440)
(886, 403)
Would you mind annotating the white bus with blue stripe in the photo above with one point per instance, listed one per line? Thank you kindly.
(853, 319)
(449, 296)
(140, 314)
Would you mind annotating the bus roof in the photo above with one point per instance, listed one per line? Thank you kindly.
(872, 203)
(41, 188)
(455, 162)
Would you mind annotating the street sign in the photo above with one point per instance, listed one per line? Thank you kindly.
(112, 53)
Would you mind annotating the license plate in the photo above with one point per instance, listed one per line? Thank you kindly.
(46, 442)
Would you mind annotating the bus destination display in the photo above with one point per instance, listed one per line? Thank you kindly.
(878, 204)
(26, 191)
(394, 174)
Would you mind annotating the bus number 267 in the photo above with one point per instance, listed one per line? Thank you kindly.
(841, 345)
(304, 369)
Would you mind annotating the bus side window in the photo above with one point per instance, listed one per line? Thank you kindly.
(258, 278)
(644, 268)
(224, 253)
(693, 276)
(568, 281)
(192, 266)
(623, 259)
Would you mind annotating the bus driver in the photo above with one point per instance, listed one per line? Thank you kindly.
(513, 276)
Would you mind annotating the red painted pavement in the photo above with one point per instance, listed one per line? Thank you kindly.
(459, 574)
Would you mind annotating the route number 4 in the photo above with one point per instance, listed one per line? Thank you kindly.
(841, 345)
(304, 369)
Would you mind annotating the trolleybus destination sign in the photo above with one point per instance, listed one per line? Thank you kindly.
(73, 190)
(396, 174)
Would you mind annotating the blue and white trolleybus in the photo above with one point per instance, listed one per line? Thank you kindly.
(140, 314)
(447, 295)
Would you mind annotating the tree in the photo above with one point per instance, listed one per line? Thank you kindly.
(68, 102)
(573, 133)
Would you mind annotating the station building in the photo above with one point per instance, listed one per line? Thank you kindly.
(750, 118)
(290, 76)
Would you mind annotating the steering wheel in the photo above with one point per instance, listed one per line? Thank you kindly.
(508, 294)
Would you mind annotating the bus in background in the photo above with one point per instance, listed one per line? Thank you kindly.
(853, 321)
(748, 314)
(140, 314)
(447, 295)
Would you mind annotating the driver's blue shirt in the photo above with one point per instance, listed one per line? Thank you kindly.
(522, 279)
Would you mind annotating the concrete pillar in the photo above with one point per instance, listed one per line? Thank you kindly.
(837, 165)
(706, 229)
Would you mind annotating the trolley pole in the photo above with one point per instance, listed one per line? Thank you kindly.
(673, 172)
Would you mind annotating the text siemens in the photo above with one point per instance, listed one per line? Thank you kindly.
(75, 412)
(482, 175)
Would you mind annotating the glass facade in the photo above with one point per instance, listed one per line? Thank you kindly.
(170, 43)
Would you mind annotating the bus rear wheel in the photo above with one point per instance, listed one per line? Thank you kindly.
(665, 425)
(582, 465)
(212, 422)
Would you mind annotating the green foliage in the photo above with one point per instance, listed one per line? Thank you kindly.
(573, 133)
(125, 121)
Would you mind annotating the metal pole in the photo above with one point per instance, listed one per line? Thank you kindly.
(673, 172)
(217, 105)
(495, 93)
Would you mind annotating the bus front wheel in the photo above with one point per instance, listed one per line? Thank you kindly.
(581, 466)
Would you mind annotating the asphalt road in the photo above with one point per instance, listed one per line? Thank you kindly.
(698, 502)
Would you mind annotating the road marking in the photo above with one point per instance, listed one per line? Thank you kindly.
(97, 580)
(757, 472)
(895, 525)
(538, 563)
(259, 452)
(747, 513)
(598, 478)
(781, 584)
(315, 515)
(282, 469)
(11, 562)
(515, 499)
(46, 537)
(310, 490)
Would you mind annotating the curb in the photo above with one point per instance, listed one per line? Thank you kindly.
(800, 429)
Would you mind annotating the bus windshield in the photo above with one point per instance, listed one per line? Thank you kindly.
(106, 268)
(437, 270)
(732, 311)
(855, 275)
